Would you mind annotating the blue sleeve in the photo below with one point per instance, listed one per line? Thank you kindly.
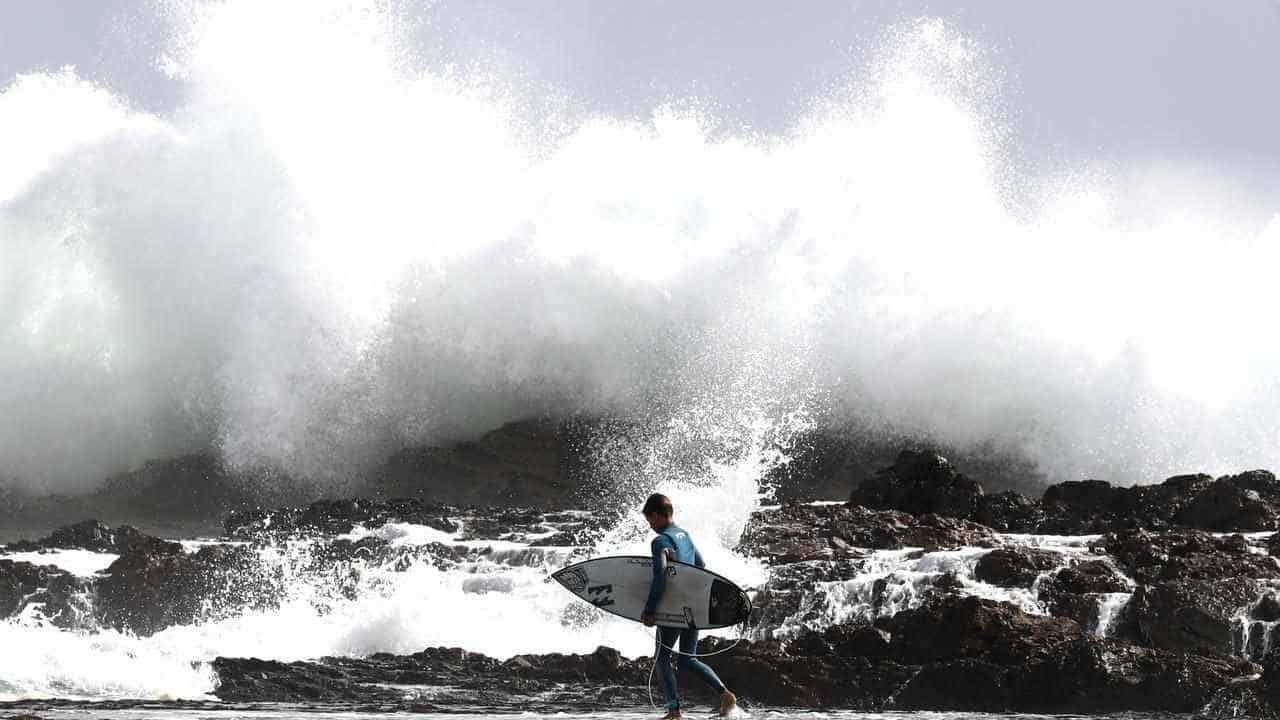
(659, 585)
(697, 558)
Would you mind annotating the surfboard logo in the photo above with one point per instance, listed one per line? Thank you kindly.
(600, 595)
(573, 579)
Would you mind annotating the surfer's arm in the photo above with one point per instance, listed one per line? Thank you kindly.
(659, 584)
(697, 558)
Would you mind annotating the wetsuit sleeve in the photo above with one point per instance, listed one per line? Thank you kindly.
(659, 584)
(697, 558)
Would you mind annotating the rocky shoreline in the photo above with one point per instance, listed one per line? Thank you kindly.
(542, 464)
(1163, 601)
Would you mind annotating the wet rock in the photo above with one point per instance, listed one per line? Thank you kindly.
(501, 523)
(794, 593)
(452, 677)
(920, 483)
(1245, 502)
(947, 628)
(271, 681)
(1267, 609)
(1015, 567)
(1195, 616)
(1270, 676)
(797, 533)
(95, 536)
(1094, 506)
(925, 482)
(1009, 512)
(961, 684)
(1089, 496)
(937, 532)
(763, 672)
(1151, 557)
(1240, 699)
(1089, 576)
(1095, 676)
(1077, 591)
(145, 592)
(573, 529)
(845, 640)
(338, 517)
(59, 594)
(1084, 675)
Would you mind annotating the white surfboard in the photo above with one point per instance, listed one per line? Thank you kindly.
(694, 597)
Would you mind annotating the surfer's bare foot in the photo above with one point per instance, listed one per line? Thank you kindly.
(673, 715)
(728, 701)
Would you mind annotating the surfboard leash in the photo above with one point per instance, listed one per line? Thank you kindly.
(746, 630)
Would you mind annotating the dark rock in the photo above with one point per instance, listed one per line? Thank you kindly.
(1076, 591)
(1009, 512)
(792, 590)
(145, 592)
(1267, 609)
(1094, 676)
(1090, 506)
(1240, 699)
(848, 640)
(1015, 566)
(960, 684)
(762, 672)
(1151, 557)
(795, 533)
(947, 628)
(937, 532)
(1084, 675)
(1271, 676)
(60, 595)
(1089, 576)
(338, 517)
(1193, 615)
(538, 463)
(95, 536)
(1089, 496)
(920, 483)
(1245, 502)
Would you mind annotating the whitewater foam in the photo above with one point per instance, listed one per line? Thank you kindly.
(324, 255)
(84, 563)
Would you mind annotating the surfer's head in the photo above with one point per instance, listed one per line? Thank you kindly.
(658, 511)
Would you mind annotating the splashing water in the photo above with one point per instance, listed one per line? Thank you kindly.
(324, 254)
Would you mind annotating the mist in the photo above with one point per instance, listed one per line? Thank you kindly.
(327, 251)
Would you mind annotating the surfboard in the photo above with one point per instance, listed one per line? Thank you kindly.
(695, 597)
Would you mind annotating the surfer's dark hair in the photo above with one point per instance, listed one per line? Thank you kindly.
(660, 504)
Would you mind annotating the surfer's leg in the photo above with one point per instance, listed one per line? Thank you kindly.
(689, 648)
(667, 639)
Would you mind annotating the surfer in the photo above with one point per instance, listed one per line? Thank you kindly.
(675, 544)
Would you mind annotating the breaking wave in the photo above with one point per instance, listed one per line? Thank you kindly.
(327, 252)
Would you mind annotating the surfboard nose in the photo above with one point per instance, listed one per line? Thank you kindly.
(729, 605)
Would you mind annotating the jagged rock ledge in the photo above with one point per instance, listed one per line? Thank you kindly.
(1192, 633)
(952, 653)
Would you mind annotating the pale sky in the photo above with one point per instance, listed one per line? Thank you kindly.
(1169, 78)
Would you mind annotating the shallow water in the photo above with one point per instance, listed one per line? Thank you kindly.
(324, 712)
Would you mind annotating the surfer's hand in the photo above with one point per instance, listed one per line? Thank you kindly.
(648, 619)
